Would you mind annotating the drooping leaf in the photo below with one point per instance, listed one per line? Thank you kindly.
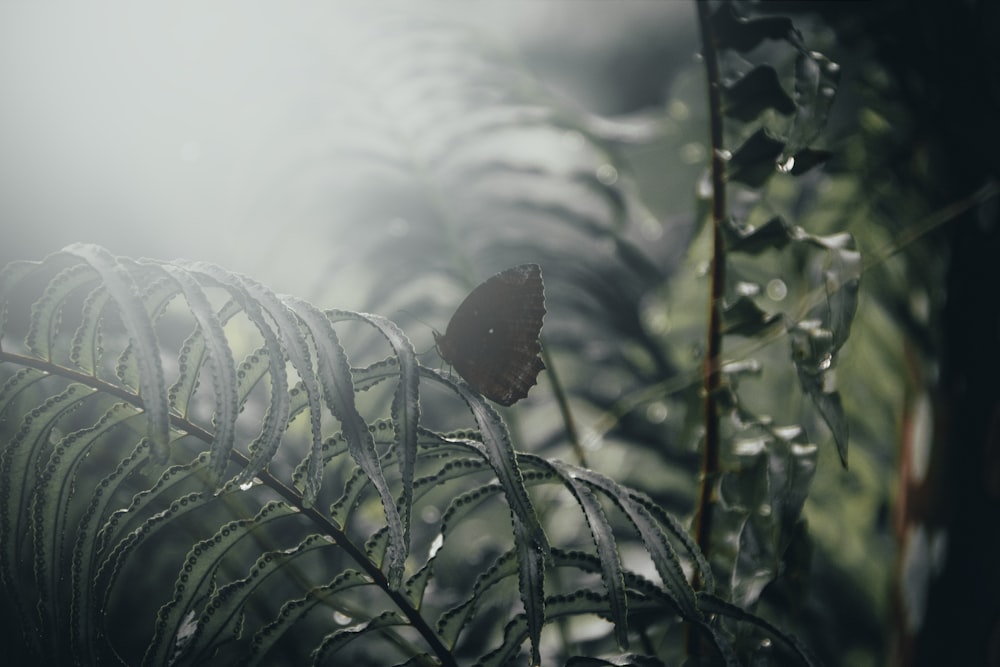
(20, 460)
(406, 417)
(740, 237)
(335, 641)
(812, 353)
(816, 80)
(293, 610)
(10, 277)
(55, 509)
(743, 317)
(756, 159)
(86, 350)
(664, 556)
(122, 288)
(84, 611)
(712, 604)
(276, 418)
(221, 364)
(46, 312)
(195, 586)
(756, 91)
(733, 31)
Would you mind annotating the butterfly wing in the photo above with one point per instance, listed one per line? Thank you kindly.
(492, 339)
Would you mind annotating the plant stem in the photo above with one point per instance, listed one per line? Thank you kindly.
(572, 434)
(713, 352)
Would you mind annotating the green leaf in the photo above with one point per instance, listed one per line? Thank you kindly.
(55, 510)
(733, 31)
(664, 556)
(195, 586)
(805, 159)
(293, 610)
(500, 453)
(743, 317)
(711, 604)
(405, 412)
(842, 280)
(142, 336)
(757, 90)
(297, 350)
(611, 566)
(10, 276)
(816, 81)
(46, 312)
(453, 621)
(338, 390)
(756, 159)
(84, 612)
(812, 353)
(335, 641)
(170, 484)
(355, 485)
(20, 461)
(221, 365)
(529, 538)
(627, 660)
(742, 237)
(193, 354)
(276, 418)
(531, 580)
(607, 550)
(86, 350)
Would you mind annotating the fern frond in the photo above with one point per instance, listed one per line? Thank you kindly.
(123, 289)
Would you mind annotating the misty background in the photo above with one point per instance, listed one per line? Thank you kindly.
(208, 132)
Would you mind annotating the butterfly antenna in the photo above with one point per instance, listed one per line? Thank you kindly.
(436, 332)
(403, 310)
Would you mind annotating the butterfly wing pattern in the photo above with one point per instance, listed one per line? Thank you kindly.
(492, 339)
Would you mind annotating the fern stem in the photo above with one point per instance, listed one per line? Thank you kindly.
(713, 352)
(567, 415)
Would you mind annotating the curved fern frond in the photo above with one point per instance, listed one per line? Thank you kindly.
(124, 291)
(176, 624)
(221, 619)
(135, 507)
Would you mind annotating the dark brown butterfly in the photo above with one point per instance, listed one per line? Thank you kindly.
(492, 339)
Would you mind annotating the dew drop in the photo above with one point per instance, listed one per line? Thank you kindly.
(776, 289)
(607, 174)
(246, 486)
(436, 545)
(657, 412)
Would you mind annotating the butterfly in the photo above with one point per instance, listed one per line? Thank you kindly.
(492, 339)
